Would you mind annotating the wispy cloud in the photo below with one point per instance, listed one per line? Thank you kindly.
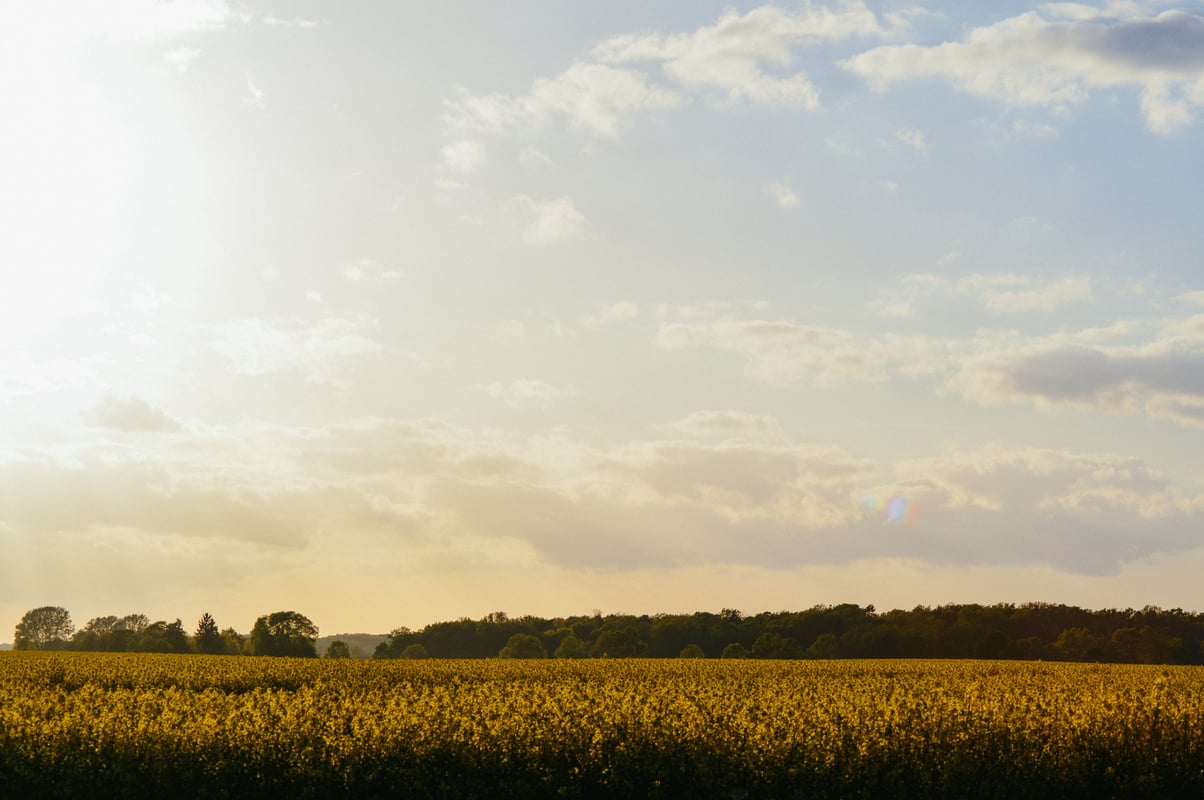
(549, 221)
(998, 293)
(913, 138)
(727, 425)
(1058, 55)
(781, 352)
(595, 98)
(291, 22)
(463, 155)
(782, 194)
(743, 56)
(316, 350)
(1122, 369)
(253, 96)
(182, 57)
(615, 312)
(1003, 293)
(130, 414)
(523, 392)
(1193, 298)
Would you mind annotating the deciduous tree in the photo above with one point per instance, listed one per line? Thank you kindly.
(284, 633)
(45, 628)
(523, 645)
(414, 651)
(571, 647)
(338, 649)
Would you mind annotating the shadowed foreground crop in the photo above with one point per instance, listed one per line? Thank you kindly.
(118, 725)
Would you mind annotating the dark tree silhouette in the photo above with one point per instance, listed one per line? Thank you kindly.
(523, 645)
(45, 628)
(284, 633)
(338, 649)
(208, 638)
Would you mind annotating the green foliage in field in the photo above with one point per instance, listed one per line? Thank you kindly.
(123, 725)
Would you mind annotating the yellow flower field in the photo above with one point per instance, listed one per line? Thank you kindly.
(86, 725)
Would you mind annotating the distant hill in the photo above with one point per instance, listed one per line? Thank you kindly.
(6, 647)
(362, 645)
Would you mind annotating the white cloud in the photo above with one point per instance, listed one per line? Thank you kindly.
(913, 139)
(463, 155)
(1194, 298)
(729, 425)
(130, 414)
(534, 157)
(998, 293)
(182, 57)
(949, 258)
(147, 298)
(708, 310)
(594, 97)
(21, 375)
(358, 271)
(1124, 369)
(294, 22)
(1033, 130)
(901, 303)
(1076, 511)
(1056, 59)
(254, 95)
(615, 312)
(551, 220)
(744, 56)
(316, 350)
(1119, 369)
(524, 392)
(842, 148)
(899, 307)
(741, 498)
(111, 495)
(782, 194)
(722, 487)
(781, 352)
(1005, 292)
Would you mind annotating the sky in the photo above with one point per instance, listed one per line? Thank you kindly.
(392, 313)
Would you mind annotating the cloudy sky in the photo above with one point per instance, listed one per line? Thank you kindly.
(391, 313)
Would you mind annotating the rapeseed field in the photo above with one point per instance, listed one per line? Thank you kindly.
(139, 725)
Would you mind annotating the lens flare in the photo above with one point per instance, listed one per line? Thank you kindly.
(896, 509)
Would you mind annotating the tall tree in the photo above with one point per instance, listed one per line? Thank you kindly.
(45, 628)
(284, 633)
(177, 640)
(97, 634)
(208, 638)
(338, 649)
(235, 644)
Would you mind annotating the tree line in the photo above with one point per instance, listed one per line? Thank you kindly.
(1030, 631)
(281, 633)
